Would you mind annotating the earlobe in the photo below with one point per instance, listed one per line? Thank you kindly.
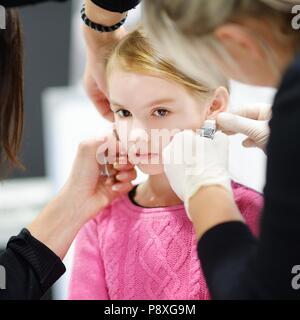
(218, 104)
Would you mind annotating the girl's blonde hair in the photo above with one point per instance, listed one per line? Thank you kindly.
(185, 29)
(136, 54)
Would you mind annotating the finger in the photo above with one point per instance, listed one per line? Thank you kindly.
(111, 173)
(121, 188)
(248, 143)
(228, 133)
(126, 176)
(236, 124)
(98, 98)
(109, 181)
(258, 111)
(111, 152)
(85, 161)
(108, 149)
(123, 166)
(91, 147)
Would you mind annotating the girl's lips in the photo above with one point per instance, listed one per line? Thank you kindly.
(146, 155)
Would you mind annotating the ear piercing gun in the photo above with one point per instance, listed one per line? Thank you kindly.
(208, 129)
(107, 172)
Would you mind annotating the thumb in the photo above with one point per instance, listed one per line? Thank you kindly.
(228, 122)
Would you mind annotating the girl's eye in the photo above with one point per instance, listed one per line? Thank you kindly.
(161, 113)
(123, 113)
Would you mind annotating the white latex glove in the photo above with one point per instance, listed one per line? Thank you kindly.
(250, 120)
(192, 162)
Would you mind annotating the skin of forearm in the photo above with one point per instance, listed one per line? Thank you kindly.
(58, 218)
(102, 16)
(97, 41)
(211, 206)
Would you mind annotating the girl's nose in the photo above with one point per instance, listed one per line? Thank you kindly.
(138, 132)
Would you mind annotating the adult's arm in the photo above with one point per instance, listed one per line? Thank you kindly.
(98, 47)
(33, 259)
(19, 3)
(31, 268)
(237, 266)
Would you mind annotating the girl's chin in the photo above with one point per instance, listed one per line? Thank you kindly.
(151, 169)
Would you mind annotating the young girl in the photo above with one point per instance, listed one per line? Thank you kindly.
(143, 245)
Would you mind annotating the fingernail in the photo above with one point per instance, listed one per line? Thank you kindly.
(122, 176)
(116, 165)
(116, 187)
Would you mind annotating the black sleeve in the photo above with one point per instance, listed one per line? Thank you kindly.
(19, 3)
(234, 263)
(117, 5)
(110, 5)
(30, 267)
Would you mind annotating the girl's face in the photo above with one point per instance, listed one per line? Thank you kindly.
(149, 111)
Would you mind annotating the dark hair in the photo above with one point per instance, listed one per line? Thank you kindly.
(11, 90)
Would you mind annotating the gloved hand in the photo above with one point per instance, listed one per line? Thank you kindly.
(250, 120)
(192, 162)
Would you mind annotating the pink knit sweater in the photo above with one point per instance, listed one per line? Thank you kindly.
(129, 252)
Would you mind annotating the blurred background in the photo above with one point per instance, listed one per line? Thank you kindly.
(59, 116)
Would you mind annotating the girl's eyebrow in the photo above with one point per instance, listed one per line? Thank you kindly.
(160, 101)
(113, 103)
(149, 104)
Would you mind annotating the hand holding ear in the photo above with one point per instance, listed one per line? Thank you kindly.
(192, 162)
(98, 47)
(250, 120)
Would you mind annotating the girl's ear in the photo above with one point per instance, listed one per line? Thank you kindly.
(219, 103)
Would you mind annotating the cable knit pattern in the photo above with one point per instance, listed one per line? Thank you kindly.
(132, 253)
